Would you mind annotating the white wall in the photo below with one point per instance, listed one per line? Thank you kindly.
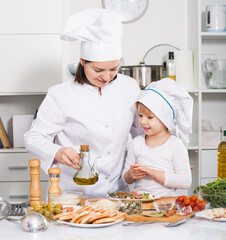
(165, 21)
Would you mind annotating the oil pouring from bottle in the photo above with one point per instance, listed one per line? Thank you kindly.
(85, 175)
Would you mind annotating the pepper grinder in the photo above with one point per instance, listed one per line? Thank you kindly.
(54, 177)
(35, 187)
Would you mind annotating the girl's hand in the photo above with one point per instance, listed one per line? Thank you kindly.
(136, 172)
(68, 156)
(158, 176)
(141, 169)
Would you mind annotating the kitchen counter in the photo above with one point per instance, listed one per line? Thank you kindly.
(196, 228)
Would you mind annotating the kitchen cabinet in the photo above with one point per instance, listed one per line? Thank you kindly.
(31, 60)
(15, 176)
(211, 102)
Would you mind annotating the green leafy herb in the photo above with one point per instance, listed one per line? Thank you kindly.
(214, 192)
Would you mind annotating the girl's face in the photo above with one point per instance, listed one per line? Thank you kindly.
(100, 74)
(149, 122)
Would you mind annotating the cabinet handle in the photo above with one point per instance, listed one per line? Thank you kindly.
(18, 196)
(17, 167)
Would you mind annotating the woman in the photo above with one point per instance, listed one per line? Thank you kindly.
(96, 108)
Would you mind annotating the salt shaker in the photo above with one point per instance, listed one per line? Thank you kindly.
(54, 177)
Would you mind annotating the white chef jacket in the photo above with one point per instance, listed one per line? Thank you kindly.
(171, 157)
(73, 114)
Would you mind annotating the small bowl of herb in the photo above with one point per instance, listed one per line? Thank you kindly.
(213, 193)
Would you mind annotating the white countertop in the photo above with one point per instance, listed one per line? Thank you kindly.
(195, 229)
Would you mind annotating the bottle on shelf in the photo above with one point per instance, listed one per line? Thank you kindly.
(171, 66)
(222, 157)
(85, 175)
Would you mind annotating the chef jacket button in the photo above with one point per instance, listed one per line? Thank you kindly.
(107, 126)
(108, 153)
(106, 178)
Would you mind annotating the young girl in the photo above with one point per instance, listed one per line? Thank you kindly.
(157, 162)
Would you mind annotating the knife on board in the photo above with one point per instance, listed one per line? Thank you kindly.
(174, 224)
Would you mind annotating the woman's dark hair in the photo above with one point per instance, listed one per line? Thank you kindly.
(80, 76)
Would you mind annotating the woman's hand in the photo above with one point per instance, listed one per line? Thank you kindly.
(68, 156)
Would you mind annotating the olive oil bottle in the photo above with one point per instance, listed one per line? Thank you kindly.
(85, 175)
(171, 66)
(222, 157)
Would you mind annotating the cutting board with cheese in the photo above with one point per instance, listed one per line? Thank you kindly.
(141, 218)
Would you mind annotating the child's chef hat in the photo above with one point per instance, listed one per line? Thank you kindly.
(99, 31)
(171, 104)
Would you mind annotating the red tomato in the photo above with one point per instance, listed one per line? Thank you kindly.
(195, 209)
(197, 201)
(180, 199)
(201, 205)
(192, 204)
(193, 198)
(187, 201)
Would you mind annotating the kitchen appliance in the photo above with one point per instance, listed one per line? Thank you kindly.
(215, 18)
(144, 74)
(215, 71)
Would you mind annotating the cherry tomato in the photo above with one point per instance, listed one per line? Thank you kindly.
(187, 201)
(180, 199)
(197, 201)
(195, 209)
(192, 204)
(193, 198)
(201, 205)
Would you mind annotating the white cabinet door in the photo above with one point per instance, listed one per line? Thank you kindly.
(29, 63)
(209, 164)
(19, 191)
(30, 16)
(14, 167)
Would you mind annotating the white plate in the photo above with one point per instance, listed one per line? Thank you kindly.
(89, 225)
(137, 200)
(201, 214)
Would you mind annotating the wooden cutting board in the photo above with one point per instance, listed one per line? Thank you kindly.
(141, 218)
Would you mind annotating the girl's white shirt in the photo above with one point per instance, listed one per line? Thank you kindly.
(73, 114)
(171, 157)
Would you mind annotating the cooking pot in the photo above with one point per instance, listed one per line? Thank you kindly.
(144, 74)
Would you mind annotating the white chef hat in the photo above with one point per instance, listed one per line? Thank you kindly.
(171, 104)
(100, 32)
